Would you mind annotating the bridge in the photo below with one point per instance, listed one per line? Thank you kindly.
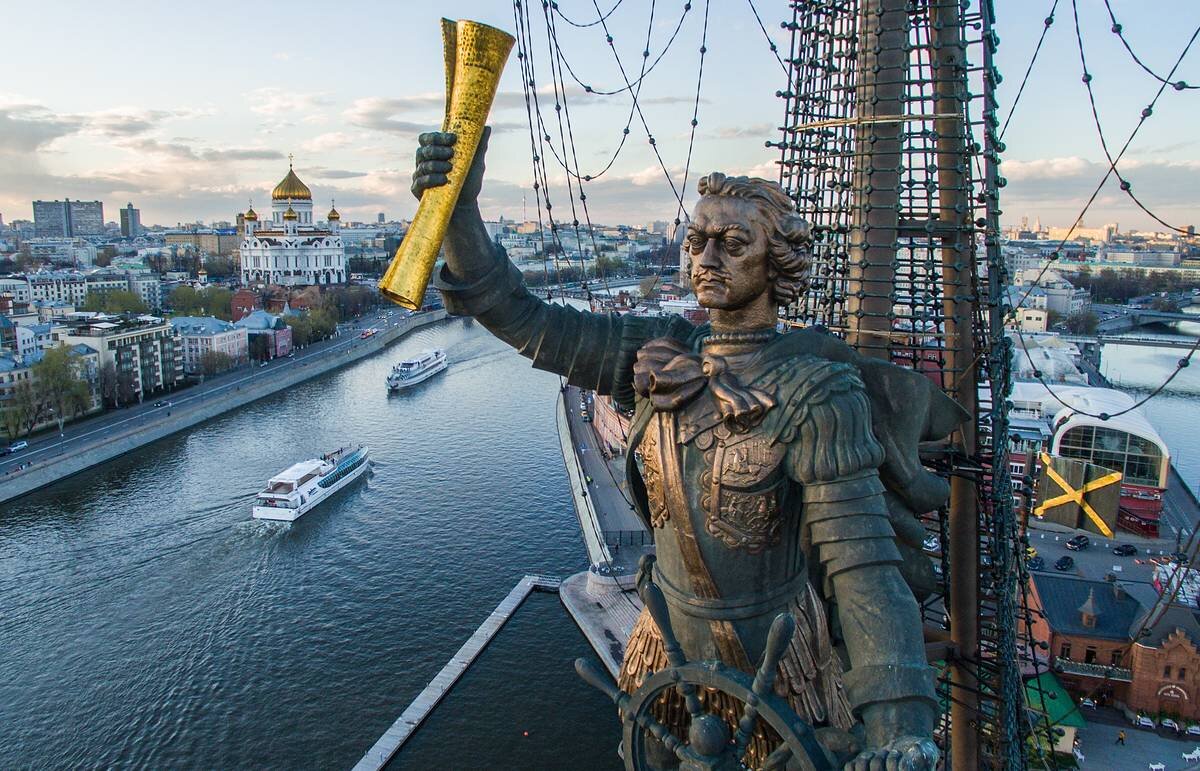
(1145, 341)
(1121, 318)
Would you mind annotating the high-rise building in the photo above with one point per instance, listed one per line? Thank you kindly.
(131, 221)
(66, 219)
(382, 219)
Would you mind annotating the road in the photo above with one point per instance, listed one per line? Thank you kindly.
(613, 507)
(80, 432)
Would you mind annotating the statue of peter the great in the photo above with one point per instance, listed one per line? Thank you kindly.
(780, 471)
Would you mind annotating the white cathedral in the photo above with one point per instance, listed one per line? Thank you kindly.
(290, 249)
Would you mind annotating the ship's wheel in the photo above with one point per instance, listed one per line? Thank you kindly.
(709, 744)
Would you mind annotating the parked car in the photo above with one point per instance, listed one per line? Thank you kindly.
(1193, 729)
(1079, 543)
(1087, 703)
(932, 543)
(1125, 550)
(1144, 721)
(1037, 563)
(1064, 563)
(1169, 723)
(18, 446)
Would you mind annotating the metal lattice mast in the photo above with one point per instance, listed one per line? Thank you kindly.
(878, 149)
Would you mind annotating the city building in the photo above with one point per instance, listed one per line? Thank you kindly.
(202, 335)
(72, 252)
(1061, 295)
(18, 287)
(271, 337)
(244, 302)
(58, 285)
(1105, 645)
(212, 241)
(290, 249)
(147, 287)
(67, 219)
(16, 370)
(131, 221)
(144, 351)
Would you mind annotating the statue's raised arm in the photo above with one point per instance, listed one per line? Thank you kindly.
(593, 351)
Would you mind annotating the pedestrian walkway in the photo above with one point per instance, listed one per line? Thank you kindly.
(408, 722)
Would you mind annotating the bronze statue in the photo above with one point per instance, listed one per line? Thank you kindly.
(780, 471)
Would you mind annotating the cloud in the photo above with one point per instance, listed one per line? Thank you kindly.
(328, 142)
(753, 131)
(276, 101)
(184, 152)
(379, 114)
(321, 172)
(27, 128)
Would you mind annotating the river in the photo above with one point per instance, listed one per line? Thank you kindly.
(147, 621)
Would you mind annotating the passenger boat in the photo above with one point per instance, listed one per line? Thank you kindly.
(412, 371)
(297, 489)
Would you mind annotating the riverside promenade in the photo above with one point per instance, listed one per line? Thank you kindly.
(97, 440)
(601, 600)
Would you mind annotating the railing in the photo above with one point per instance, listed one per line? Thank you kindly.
(628, 537)
(1068, 667)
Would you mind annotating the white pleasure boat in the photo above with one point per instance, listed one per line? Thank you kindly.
(416, 370)
(298, 488)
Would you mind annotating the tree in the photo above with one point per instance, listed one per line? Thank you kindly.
(1053, 319)
(185, 301)
(20, 415)
(301, 329)
(215, 362)
(126, 388)
(60, 392)
(1082, 322)
(220, 266)
(218, 301)
(648, 286)
(260, 347)
(105, 256)
(115, 301)
(108, 384)
(1166, 305)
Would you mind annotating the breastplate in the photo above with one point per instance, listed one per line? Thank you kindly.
(735, 477)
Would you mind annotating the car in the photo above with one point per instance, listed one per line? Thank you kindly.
(158, 404)
(932, 543)
(1087, 703)
(1079, 543)
(263, 364)
(1064, 563)
(1180, 557)
(1144, 721)
(1037, 563)
(18, 446)
(1193, 729)
(1125, 550)
(1169, 723)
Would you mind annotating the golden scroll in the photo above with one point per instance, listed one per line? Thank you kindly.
(475, 57)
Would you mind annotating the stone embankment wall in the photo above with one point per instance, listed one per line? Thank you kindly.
(122, 440)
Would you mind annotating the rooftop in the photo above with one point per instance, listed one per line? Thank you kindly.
(1062, 597)
(201, 325)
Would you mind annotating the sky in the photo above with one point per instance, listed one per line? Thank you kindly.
(190, 111)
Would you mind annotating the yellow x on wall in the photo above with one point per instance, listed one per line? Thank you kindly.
(1070, 494)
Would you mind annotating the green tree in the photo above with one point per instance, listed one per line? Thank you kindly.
(185, 301)
(219, 266)
(648, 287)
(115, 301)
(20, 414)
(61, 393)
(218, 301)
(105, 256)
(301, 329)
(215, 362)
(260, 347)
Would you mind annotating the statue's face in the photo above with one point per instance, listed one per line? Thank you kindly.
(727, 239)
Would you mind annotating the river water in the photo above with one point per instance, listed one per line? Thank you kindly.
(147, 621)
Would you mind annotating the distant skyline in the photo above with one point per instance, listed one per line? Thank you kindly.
(190, 115)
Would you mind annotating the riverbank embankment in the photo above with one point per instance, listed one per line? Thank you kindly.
(187, 410)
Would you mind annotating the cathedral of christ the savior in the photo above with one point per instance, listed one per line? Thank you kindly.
(290, 249)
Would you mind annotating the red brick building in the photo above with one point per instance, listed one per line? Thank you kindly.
(1091, 626)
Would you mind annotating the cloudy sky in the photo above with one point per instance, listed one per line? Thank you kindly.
(190, 110)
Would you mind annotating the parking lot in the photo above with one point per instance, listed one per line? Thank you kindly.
(1142, 747)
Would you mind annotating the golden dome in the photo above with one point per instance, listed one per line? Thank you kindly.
(333, 215)
(250, 215)
(290, 214)
(291, 189)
